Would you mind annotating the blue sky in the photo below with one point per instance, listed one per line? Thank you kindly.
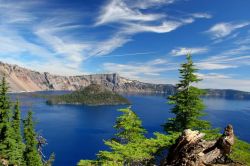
(139, 39)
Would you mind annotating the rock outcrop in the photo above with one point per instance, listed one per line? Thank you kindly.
(191, 149)
(22, 79)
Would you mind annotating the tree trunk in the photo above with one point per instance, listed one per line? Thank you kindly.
(191, 149)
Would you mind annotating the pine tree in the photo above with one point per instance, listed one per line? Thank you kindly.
(7, 141)
(130, 133)
(18, 137)
(131, 147)
(129, 127)
(188, 104)
(31, 154)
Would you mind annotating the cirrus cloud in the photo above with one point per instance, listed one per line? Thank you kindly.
(223, 29)
(185, 50)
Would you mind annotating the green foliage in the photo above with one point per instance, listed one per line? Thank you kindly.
(8, 145)
(130, 146)
(140, 152)
(12, 147)
(31, 155)
(126, 143)
(241, 152)
(129, 127)
(87, 163)
(19, 149)
(92, 95)
(188, 104)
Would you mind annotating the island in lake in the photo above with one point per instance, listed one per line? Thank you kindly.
(93, 94)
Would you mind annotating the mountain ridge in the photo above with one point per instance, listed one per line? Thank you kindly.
(25, 80)
(21, 79)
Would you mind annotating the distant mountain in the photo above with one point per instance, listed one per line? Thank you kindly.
(228, 94)
(22, 79)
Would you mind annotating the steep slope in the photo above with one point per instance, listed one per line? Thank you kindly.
(22, 79)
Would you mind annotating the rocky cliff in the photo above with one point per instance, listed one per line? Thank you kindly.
(22, 79)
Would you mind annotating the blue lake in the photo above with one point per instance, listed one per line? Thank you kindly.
(77, 132)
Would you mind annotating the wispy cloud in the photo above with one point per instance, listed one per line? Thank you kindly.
(214, 65)
(223, 29)
(164, 27)
(212, 76)
(141, 70)
(130, 54)
(30, 39)
(184, 51)
(109, 45)
(231, 58)
(201, 15)
(52, 31)
(119, 11)
(148, 3)
(129, 17)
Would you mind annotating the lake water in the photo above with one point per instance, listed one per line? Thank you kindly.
(77, 132)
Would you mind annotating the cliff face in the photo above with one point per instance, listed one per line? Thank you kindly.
(21, 79)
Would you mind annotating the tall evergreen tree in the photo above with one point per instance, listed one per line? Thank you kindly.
(129, 127)
(130, 133)
(7, 141)
(188, 104)
(31, 154)
(16, 125)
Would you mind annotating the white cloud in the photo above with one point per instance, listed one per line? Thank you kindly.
(201, 15)
(184, 51)
(70, 50)
(42, 46)
(141, 70)
(159, 61)
(214, 66)
(130, 54)
(148, 3)
(107, 46)
(224, 29)
(212, 76)
(52, 39)
(132, 18)
(228, 59)
(166, 26)
(118, 11)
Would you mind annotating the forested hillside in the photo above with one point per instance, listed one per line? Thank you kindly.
(93, 94)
